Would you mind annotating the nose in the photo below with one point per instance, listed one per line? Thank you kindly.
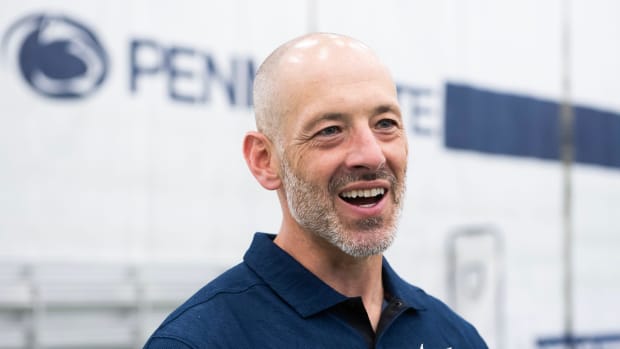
(365, 150)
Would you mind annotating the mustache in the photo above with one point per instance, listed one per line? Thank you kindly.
(362, 175)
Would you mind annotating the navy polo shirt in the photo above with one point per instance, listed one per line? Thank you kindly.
(271, 301)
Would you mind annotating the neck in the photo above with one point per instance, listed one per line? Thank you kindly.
(351, 276)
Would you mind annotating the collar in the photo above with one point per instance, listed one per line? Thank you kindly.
(398, 289)
(305, 292)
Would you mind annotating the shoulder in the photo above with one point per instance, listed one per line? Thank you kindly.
(235, 281)
(209, 310)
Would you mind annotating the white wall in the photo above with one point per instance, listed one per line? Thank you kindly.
(132, 176)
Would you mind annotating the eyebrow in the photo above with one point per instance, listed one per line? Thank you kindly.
(381, 109)
(387, 108)
(324, 117)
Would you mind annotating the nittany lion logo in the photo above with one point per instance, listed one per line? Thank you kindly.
(57, 56)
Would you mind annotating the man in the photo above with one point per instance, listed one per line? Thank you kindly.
(331, 142)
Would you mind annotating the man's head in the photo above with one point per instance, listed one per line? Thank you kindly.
(331, 141)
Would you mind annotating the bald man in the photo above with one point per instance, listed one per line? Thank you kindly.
(330, 141)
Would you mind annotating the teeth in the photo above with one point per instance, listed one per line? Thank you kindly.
(366, 193)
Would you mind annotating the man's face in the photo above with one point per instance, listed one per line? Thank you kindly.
(345, 158)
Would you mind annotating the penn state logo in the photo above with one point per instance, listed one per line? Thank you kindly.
(57, 56)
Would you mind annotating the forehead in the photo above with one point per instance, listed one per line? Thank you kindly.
(325, 74)
(343, 86)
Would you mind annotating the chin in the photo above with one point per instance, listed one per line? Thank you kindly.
(366, 243)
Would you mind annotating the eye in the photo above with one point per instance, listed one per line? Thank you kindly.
(329, 131)
(386, 124)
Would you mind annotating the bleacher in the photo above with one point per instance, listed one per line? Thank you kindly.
(77, 305)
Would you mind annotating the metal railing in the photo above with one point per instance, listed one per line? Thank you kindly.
(74, 305)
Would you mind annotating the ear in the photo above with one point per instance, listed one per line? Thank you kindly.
(262, 160)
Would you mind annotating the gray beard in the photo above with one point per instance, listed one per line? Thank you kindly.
(314, 211)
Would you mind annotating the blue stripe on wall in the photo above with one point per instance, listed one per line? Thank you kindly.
(508, 124)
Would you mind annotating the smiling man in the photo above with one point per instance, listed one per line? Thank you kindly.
(331, 143)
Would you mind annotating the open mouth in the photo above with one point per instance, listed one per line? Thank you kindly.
(363, 197)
